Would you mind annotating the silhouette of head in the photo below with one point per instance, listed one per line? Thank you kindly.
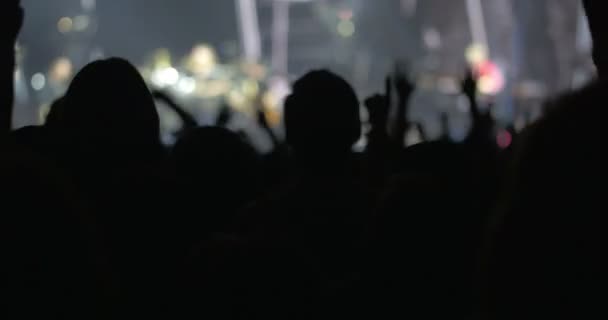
(108, 107)
(322, 115)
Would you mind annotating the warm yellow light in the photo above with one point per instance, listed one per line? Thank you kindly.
(65, 25)
(62, 70)
(250, 88)
(270, 103)
(486, 85)
(476, 54)
(203, 59)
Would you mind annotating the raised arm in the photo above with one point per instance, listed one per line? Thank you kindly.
(405, 88)
(11, 15)
(189, 122)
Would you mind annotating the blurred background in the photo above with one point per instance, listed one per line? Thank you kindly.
(241, 55)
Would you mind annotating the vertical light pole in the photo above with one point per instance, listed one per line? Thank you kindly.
(249, 28)
(280, 38)
(477, 23)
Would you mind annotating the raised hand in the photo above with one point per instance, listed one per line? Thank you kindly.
(469, 84)
(263, 123)
(469, 89)
(483, 128)
(444, 119)
(189, 122)
(11, 15)
(378, 106)
(405, 88)
(224, 116)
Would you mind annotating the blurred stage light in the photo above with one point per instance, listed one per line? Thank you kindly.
(346, 28)
(186, 85)
(165, 77)
(81, 23)
(504, 139)
(476, 54)
(237, 100)
(161, 58)
(250, 88)
(65, 25)
(38, 81)
(61, 70)
(270, 105)
(269, 101)
(202, 60)
(491, 79)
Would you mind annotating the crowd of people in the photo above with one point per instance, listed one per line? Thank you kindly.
(99, 220)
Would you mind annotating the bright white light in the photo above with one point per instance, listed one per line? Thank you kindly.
(202, 59)
(476, 53)
(186, 85)
(38, 81)
(165, 77)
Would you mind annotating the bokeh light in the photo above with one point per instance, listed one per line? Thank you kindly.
(38, 81)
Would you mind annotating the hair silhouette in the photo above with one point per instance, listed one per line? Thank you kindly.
(108, 108)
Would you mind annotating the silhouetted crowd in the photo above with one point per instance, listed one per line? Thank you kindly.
(99, 220)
